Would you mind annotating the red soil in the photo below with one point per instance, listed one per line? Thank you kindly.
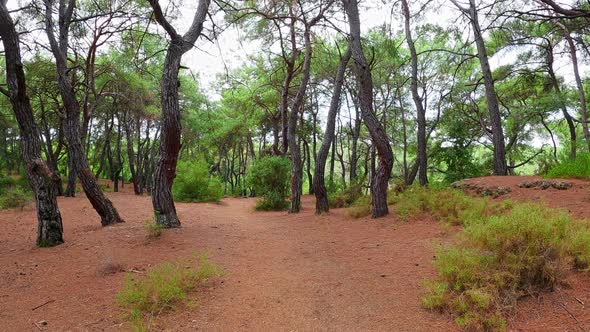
(284, 272)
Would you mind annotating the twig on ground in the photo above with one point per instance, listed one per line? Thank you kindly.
(572, 315)
(45, 303)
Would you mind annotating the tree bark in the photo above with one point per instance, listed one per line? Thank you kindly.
(321, 194)
(103, 206)
(579, 85)
(422, 157)
(568, 118)
(164, 209)
(380, 182)
(290, 71)
(500, 167)
(49, 222)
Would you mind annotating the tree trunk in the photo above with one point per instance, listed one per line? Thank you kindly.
(164, 209)
(131, 154)
(103, 206)
(49, 222)
(298, 103)
(500, 167)
(290, 63)
(568, 118)
(420, 111)
(579, 85)
(321, 194)
(380, 182)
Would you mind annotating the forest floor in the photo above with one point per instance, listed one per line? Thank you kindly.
(284, 272)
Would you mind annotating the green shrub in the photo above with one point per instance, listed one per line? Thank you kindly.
(153, 229)
(445, 204)
(194, 184)
(503, 253)
(163, 288)
(579, 168)
(272, 201)
(269, 178)
(6, 182)
(347, 196)
(360, 208)
(15, 197)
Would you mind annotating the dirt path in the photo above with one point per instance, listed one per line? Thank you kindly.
(284, 272)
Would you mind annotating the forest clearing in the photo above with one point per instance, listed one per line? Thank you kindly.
(284, 272)
(289, 165)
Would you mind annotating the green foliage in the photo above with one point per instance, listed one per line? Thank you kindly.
(15, 198)
(445, 204)
(153, 229)
(164, 287)
(6, 182)
(505, 251)
(578, 168)
(269, 178)
(194, 184)
(14, 193)
(360, 208)
(346, 197)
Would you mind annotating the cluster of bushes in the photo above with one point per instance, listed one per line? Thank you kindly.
(163, 288)
(269, 179)
(193, 183)
(347, 196)
(14, 193)
(578, 168)
(505, 251)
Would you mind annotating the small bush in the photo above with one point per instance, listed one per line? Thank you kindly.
(153, 229)
(269, 178)
(504, 252)
(272, 201)
(6, 182)
(346, 197)
(445, 204)
(164, 287)
(360, 208)
(15, 197)
(105, 187)
(194, 184)
(579, 168)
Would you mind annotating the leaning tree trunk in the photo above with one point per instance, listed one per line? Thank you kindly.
(319, 184)
(290, 72)
(420, 111)
(579, 85)
(298, 103)
(164, 209)
(568, 118)
(103, 206)
(49, 226)
(380, 182)
(500, 167)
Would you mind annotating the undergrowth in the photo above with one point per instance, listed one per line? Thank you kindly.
(347, 196)
(194, 184)
(269, 178)
(165, 287)
(14, 193)
(578, 168)
(446, 204)
(506, 250)
(153, 230)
